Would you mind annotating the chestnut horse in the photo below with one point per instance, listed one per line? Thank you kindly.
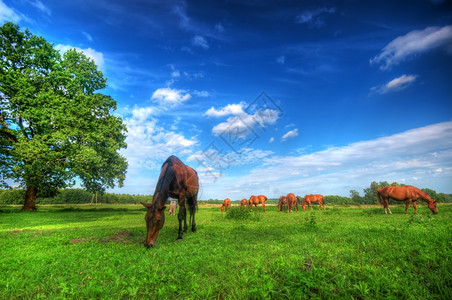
(291, 201)
(313, 198)
(243, 203)
(256, 200)
(226, 204)
(177, 181)
(282, 203)
(405, 193)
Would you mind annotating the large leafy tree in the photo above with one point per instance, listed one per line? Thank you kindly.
(55, 125)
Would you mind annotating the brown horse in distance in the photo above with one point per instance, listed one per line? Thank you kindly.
(291, 201)
(177, 181)
(313, 198)
(282, 203)
(255, 200)
(406, 193)
(226, 204)
(243, 203)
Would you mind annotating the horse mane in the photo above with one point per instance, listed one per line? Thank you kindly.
(161, 193)
(424, 196)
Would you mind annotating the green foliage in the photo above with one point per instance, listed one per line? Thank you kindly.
(238, 214)
(73, 196)
(54, 124)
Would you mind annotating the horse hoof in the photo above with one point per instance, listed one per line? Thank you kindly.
(193, 229)
(179, 239)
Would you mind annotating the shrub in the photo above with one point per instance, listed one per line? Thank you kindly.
(239, 214)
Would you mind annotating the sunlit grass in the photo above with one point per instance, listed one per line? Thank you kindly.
(97, 251)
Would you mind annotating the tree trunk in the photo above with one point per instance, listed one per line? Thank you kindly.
(30, 199)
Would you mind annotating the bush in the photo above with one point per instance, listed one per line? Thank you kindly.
(239, 214)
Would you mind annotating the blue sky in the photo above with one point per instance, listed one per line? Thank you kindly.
(269, 97)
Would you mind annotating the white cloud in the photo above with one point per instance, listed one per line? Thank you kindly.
(230, 109)
(97, 57)
(170, 97)
(272, 139)
(314, 18)
(148, 143)
(8, 14)
(424, 153)
(200, 41)
(395, 85)
(241, 123)
(291, 134)
(413, 43)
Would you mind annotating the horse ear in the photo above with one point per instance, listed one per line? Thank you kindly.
(147, 205)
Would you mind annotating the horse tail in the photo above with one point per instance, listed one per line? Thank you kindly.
(379, 197)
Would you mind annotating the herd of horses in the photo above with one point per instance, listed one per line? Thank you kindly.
(286, 203)
(181, 182)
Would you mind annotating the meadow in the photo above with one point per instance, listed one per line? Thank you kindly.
(343, 252)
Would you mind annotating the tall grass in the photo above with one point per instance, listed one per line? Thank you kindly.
(97, 252)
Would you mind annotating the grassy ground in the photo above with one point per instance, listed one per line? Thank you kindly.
(96, 252)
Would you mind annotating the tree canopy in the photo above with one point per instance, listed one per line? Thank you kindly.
(55, 127)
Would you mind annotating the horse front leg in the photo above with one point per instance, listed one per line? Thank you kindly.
(182, 216)
(407, 204)
(415, 207)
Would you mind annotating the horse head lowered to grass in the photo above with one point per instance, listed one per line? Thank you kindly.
(313, 198)
(226, 204)
(405, 193)
(177, 181)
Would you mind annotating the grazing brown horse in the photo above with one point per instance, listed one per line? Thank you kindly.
(256, 200)
(291, 201)
(406, 193)
(313, 198)
(243, 203)
(226, 204)
(282, 203)
(177, 181)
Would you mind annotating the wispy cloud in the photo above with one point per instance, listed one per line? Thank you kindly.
(8, 14)
(40, 6)
(170, 97)
(395, 85)
(315, 18)
(414, 43)
(200, 41)
(291, 134)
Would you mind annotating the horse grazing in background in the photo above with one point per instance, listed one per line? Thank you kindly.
(282, 203)
(243, 203)
(172, 208)
(226, 204)
(291, 201)
(255, 200)
(313, 198)
(406, 193)
(177, 181)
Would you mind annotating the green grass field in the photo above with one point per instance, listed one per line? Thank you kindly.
(97, 252)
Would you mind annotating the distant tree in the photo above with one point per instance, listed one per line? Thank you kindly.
(356, 197)
(370, 196)
(54, 125)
